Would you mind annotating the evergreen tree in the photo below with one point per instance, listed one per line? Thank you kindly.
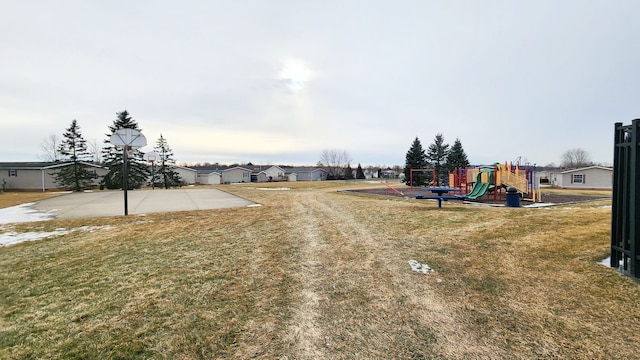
(415, 159)
(457, 158)
(360, 173)
(165, 175)
(437, 157)
(136, 169)
(73, 149)
(348, 172)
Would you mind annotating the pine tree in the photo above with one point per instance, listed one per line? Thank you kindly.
(360, 173)
(457, 158)
(166, 174)
(437, 156)
(348, 172)
(73, 149)
(415, 159)
(136, 169)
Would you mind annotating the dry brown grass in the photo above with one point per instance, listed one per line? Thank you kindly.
(588, 192)
(16, 198)
(315, 273)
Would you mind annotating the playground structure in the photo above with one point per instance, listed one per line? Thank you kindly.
(476, 182)
(625, 236)
(494, 179)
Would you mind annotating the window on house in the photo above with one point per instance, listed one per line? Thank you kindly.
(578, 179)
(13, 173)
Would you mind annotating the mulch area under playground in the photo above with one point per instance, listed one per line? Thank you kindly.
(487, 199)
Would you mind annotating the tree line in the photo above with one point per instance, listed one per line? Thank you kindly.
(438, 160)
(73, 149)
(337, 163)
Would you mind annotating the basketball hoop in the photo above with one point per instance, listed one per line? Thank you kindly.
(128, 140)
(151, 156)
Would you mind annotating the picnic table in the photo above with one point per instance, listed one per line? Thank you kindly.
(440, 193)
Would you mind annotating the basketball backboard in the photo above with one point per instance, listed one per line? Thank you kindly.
(151, 156)
(128, 137)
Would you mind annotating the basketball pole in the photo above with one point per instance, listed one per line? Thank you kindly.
(129, 139)
(124, 179)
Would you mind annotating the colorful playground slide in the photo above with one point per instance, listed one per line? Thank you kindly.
(479, 189)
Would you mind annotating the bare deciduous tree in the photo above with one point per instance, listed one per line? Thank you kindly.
(95, 150)
(575, 158)
(50, 147)
(334, 161)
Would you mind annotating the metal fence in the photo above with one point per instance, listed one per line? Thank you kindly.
(625, 236)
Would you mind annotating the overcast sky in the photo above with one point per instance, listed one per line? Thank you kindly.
(277, 82)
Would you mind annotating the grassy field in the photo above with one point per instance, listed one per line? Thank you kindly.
(319, 273)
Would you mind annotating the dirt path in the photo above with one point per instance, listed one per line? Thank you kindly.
(355, 298)
(306, 332)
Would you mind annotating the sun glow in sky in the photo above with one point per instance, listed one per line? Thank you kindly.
(295, 74)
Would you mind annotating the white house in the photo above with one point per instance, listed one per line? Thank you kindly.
(591, 177)
(187, 175)
(38, 175)
(275, 173)
(236, 175)
(209, 177)
(306, 173)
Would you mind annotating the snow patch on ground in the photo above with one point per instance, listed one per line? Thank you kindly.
(421, 268)
(23, 213)
(274, 189)
(538, 205)
(10, 237)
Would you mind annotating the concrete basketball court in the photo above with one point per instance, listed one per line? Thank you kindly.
(111, 203)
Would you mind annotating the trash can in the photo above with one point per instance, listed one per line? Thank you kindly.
(513, 198)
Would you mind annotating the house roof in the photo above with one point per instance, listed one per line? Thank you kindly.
(255, 169)
(587, 168)
(210, 168)
(237, 167)
(185, 168)
(207, 170)
(301, 169)
(40, 165)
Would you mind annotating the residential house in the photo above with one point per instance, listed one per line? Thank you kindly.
(220, 174)
(591, 177)
(268, 173)
(38, 175)
(236, 174)
(209, 177)
(389, 173)
(306, 173)
(187, 175)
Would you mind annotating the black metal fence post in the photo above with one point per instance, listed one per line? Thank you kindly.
(625, 237)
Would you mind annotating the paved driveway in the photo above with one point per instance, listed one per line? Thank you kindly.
(111, 203)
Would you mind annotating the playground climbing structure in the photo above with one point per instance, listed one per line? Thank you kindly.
(478, 181)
